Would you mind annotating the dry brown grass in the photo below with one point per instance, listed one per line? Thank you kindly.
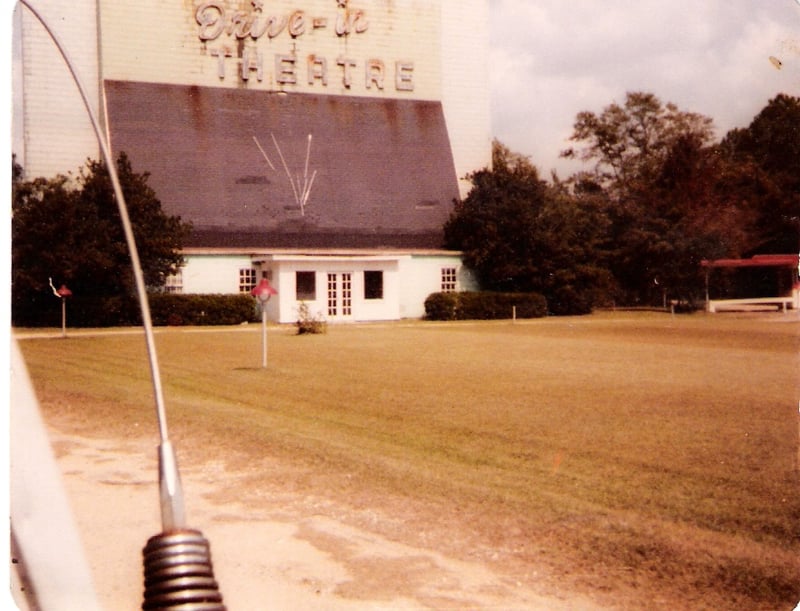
(635, 457)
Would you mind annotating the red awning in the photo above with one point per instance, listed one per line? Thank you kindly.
(756, 261)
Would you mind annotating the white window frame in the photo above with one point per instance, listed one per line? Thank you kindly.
(248, 279)
(173, 283)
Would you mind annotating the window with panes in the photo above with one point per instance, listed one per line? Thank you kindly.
(174, 283)
(448, 279)
(247, 279)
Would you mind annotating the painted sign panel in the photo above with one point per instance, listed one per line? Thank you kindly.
(373, 48)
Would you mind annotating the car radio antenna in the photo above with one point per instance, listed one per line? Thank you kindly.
(177, 562)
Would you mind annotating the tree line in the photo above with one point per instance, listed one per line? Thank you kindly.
(659, 195)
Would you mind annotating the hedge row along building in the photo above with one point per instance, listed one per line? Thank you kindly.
(318, 143)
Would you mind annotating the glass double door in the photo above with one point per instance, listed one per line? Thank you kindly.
(340, 295)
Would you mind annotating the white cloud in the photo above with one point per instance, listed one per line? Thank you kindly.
(554, 58)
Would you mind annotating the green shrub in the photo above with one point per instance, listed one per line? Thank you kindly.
(123, 310)
(81, 311)
(484, 306)
(177, 309)
(442, 306)
(568, 301)
(307, 323)
(113, 311)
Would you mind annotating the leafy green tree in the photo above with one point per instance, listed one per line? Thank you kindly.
(159, 237)
(768, 153)
(16, 170)
(628, 143)
(69, 229)
(692, 212)
(666, 205)
(520, 234)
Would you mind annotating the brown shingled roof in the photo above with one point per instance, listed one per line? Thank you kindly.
(384, 168)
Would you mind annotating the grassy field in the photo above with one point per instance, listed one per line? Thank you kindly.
(643, 459)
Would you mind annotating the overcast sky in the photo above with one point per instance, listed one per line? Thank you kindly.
(551, 59)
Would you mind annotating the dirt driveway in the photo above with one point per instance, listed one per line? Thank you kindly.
(290, 553)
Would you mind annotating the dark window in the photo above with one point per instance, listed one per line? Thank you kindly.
(448, 279)
(373, 285)
(306, 286)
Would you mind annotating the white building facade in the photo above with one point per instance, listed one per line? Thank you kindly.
(336, 285)
(318, 143)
